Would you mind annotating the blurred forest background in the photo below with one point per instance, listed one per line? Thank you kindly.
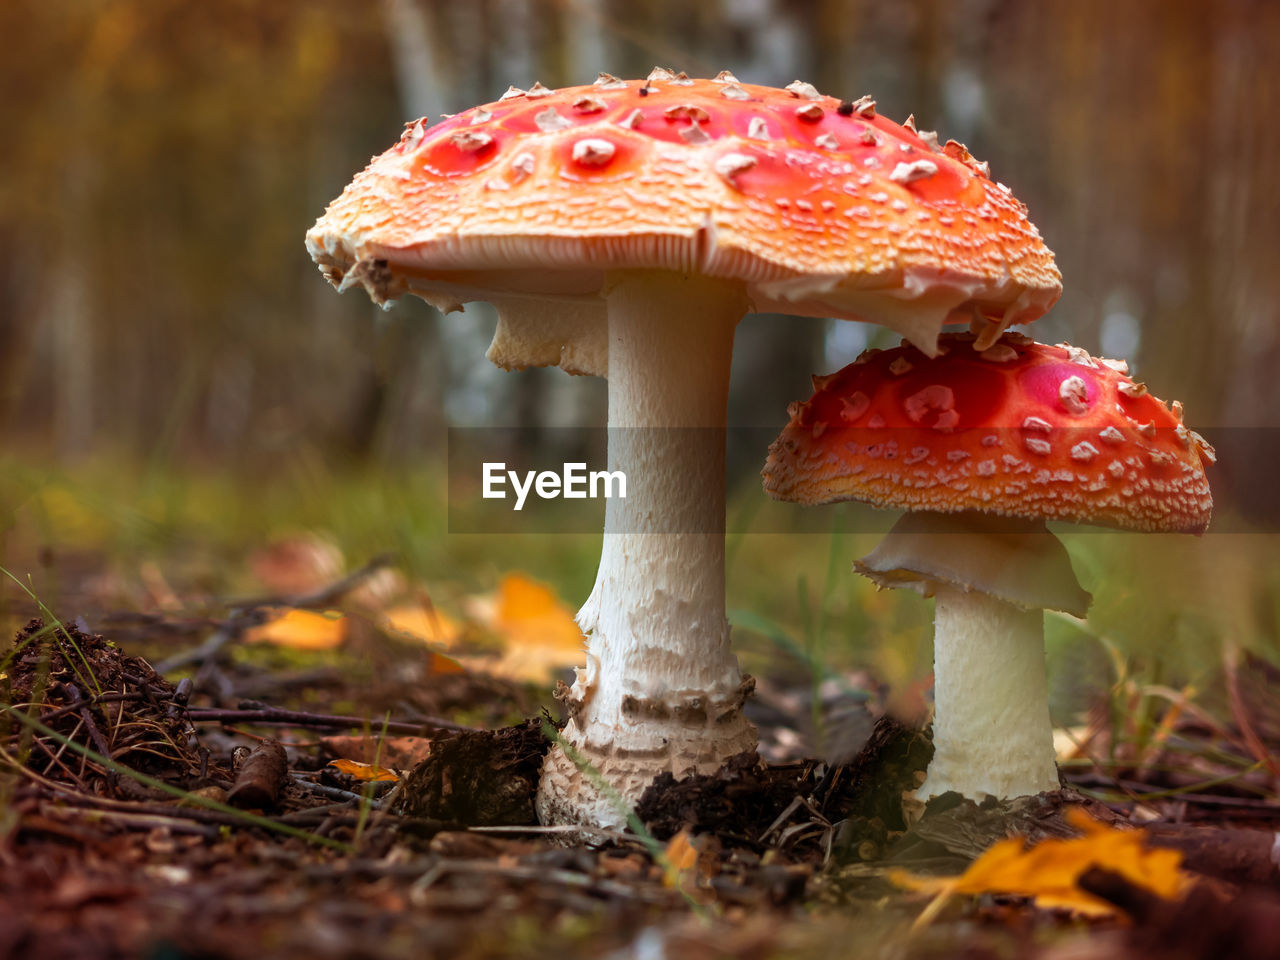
(172, 364)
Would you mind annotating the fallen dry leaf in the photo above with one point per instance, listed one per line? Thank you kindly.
(681, 856)
(300, 630)
(402, 753)
(363, 771)
(690, 863)
(540, 636)
(1048, 872)
(423, 622)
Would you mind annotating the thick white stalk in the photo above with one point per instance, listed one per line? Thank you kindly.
(991, 729)
(662, 690)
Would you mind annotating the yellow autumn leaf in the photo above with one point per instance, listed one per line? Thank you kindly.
(300, 630)
(680, 857)
(399, 753)
(423, 622)
(538, 631)
(686, 867)
(1049, 871)
(363, 771)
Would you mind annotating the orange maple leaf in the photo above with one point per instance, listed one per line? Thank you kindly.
(364, 771)
(689, 864)
(1049, 872)
(300, 630)
(538, 631)
(424, 622)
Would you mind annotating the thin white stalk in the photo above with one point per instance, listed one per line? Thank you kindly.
(991, 729)
(662, 689)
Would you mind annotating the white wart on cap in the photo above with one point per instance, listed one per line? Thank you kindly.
(819, 207)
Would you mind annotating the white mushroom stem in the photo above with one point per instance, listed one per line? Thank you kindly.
(992, 577)
(662, 690)
(991, 729)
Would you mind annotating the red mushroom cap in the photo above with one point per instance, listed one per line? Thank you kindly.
(1020, 429)
(813, 202)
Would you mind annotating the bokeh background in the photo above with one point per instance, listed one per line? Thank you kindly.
(178, 386)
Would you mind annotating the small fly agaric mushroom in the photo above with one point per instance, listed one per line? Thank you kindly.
(982, 446)
(623, 229)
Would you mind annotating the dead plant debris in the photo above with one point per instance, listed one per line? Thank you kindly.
(201, 815)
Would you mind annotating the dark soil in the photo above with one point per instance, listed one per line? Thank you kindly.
(742, 800)
(480, 778)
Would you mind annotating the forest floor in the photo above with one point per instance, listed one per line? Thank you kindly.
(196, 785)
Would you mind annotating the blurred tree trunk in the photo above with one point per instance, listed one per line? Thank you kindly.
(1241, 242)
(17, 331)
(1243, 205)
(411, 38)
(69, 315)
(392, 408)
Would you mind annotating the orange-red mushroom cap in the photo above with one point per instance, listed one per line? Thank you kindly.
(822, 207)
(1020, 429)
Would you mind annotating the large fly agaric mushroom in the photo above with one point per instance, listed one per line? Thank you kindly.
(982, 446)
(623, 229)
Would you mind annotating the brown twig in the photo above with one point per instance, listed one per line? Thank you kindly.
(1120, 892)
(328, 595)
(55, 756)
(75, 706)
(246, 613)
(335, 793)
(207, 652)
(91, 725)
(296, 718)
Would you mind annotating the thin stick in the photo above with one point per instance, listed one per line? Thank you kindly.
(297, 718)
(245, 612)
(94, 733)
(334, 793)
(73, 707)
